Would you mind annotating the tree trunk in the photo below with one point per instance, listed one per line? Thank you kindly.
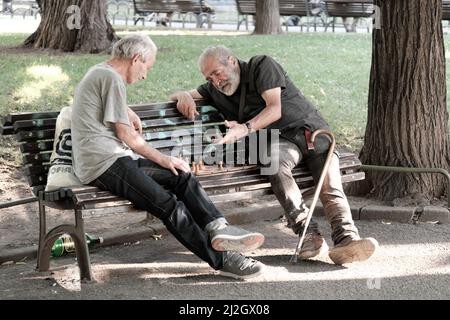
(73, 25)
(267, 17)
(407, 111)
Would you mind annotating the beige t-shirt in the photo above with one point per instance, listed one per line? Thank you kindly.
(99, 101)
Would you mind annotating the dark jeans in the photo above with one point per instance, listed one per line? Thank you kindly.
(290, 150)
(179, 201)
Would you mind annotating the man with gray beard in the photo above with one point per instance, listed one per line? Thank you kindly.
(256, 95)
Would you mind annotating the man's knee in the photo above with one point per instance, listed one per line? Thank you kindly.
(280, 166)
(186, 176)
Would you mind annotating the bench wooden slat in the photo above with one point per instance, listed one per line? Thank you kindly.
(36, 158)
(48, 134)
(36, 170)
(253, 177)
(164, 135)
(36, 147)
(98, 196)
(45, 123)
(20, 116)
(176, 121)
(101, 212)
(170, 112)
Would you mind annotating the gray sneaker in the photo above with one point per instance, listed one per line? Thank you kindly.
(313, 245)
(351, 250)
(232, 238)
(238, 266)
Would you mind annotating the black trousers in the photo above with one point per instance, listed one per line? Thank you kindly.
(179, 201)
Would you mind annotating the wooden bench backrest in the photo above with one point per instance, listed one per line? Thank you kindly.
(35, 133)
(165, 6)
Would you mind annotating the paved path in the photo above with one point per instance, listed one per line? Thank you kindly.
(413, 262)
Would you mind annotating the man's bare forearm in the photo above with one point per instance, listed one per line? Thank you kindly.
(138, 144)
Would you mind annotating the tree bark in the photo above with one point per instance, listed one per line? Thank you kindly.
(407, 111)
(73, 25)
(267, 17)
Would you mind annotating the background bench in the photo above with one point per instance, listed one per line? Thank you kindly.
(335, 9)
(288, 8)
(196, 8)
(35, 134)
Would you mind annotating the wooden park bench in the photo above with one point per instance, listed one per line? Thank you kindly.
(196, 8)
(35, 132)
(288, 8)
(335, 9)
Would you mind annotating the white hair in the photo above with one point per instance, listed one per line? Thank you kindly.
(129, 46)
(219, 52)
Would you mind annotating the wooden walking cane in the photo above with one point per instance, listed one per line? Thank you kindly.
(318, 188)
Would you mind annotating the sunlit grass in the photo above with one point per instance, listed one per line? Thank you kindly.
(48, 80)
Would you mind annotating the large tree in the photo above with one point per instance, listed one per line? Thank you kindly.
(73, 25)
(407, 111)
(267, 17)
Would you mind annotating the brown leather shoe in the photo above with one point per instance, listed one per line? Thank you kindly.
(313, 245)
(352, 250)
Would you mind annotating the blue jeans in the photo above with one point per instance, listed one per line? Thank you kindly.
(179, 201)
(290, 150)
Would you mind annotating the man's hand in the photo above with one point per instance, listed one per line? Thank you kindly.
(173, 164)
(186, 105)
(236, 132)
(135, 120)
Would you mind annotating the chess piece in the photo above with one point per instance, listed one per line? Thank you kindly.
(221, 165)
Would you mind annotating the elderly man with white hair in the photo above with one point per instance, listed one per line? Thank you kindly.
(109, 152)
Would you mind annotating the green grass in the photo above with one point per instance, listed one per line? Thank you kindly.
(332, 70)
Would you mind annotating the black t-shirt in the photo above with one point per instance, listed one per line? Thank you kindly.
(259, 74)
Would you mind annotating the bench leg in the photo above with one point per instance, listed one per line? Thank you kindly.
(42, 232)
(46, 241)
(81, 247)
